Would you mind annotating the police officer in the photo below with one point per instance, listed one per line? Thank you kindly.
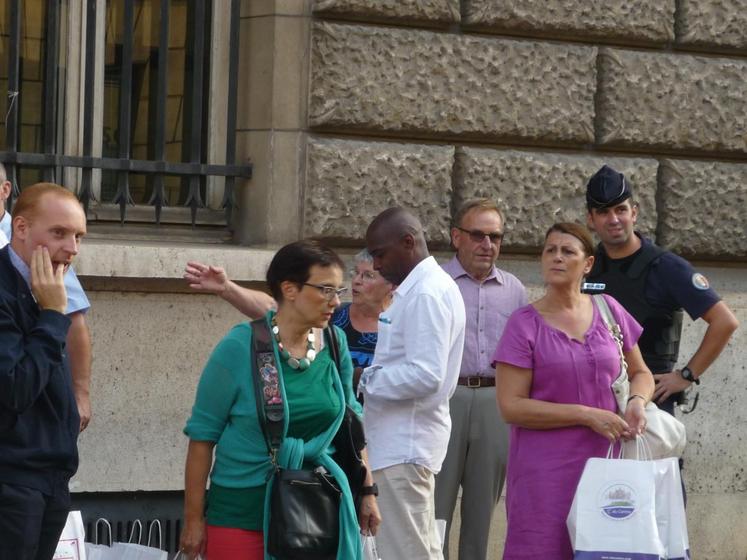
(654, 285)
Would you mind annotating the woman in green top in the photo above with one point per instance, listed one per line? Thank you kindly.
(305, 278)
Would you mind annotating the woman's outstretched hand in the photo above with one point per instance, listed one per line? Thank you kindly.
(205, 278)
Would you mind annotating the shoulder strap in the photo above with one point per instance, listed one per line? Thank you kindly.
(605, 311)
(267, 393)
(609, 321)
(334, 349)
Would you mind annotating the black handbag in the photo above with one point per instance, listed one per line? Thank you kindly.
(304, 515)
(304, 504)
(350, 438)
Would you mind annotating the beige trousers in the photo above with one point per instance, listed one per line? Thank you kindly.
(408, 528)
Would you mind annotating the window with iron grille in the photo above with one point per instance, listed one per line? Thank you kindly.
(130, 103)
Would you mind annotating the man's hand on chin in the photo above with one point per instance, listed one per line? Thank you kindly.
(47, 282)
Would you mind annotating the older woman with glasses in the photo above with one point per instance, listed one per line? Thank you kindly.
(359, 319)
(227, 522)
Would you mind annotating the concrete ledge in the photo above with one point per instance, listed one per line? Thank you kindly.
(123, 260)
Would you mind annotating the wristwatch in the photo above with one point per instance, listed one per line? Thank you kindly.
(687, 375)
(372, 490)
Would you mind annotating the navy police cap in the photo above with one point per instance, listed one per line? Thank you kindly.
(607, 188)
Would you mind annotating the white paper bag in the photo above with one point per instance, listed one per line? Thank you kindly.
(670, 510)
(131, 551)
(96, 551)
(136, 551)
(70, 545)
(369, 548)
(613, 513)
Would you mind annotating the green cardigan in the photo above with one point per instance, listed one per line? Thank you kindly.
(225, 413)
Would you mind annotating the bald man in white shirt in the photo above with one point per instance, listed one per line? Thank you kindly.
(408, 386)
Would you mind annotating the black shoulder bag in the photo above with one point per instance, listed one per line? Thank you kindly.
(350, 438)
(304, 504)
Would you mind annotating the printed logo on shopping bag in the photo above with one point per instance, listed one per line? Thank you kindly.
(617, 501)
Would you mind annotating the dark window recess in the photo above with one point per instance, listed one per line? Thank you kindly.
(121, 509)
(156, 104)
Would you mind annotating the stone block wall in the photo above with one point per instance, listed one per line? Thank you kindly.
(426, 104)
(524, 101)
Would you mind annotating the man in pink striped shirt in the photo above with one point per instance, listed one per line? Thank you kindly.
(478, 447)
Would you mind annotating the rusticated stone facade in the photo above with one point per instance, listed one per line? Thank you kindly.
(696, 197)
(416, 82)
(427, 11)
(572, 84)
(349, 181)
(672, 101)
(535, 189)
(637, 20)
(426, 104)
(714, 23)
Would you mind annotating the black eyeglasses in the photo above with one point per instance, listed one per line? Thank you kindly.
(477, 236)
(329, 292)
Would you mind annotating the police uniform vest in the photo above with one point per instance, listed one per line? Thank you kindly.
(625, 280)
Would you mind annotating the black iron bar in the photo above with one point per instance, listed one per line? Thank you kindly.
(197, 47)
(158, 197)
(122, 196)
(86, 190)
(14, 80)
(229, 196)
(51, 52)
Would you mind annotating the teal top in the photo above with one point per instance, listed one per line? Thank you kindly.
(225, 413)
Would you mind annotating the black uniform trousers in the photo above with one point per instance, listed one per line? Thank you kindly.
(31, 521)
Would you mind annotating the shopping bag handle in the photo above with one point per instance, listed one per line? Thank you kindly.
(96, 530)
(642, 450)
(155, 523)
(139, 524)
(372, 541)
(611, 451)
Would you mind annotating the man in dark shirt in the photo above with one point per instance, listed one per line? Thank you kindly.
(39, 421)
(653, 285)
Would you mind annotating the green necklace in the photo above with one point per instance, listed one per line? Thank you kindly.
(296, 363)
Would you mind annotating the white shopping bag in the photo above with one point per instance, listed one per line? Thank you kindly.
(670, 510)
(369, 547)
(613, 513)
(96, 551)
(70, 545)
(136, 551)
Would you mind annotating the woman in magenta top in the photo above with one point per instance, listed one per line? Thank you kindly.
(555, 364)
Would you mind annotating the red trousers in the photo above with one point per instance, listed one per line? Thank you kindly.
(225, 543)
